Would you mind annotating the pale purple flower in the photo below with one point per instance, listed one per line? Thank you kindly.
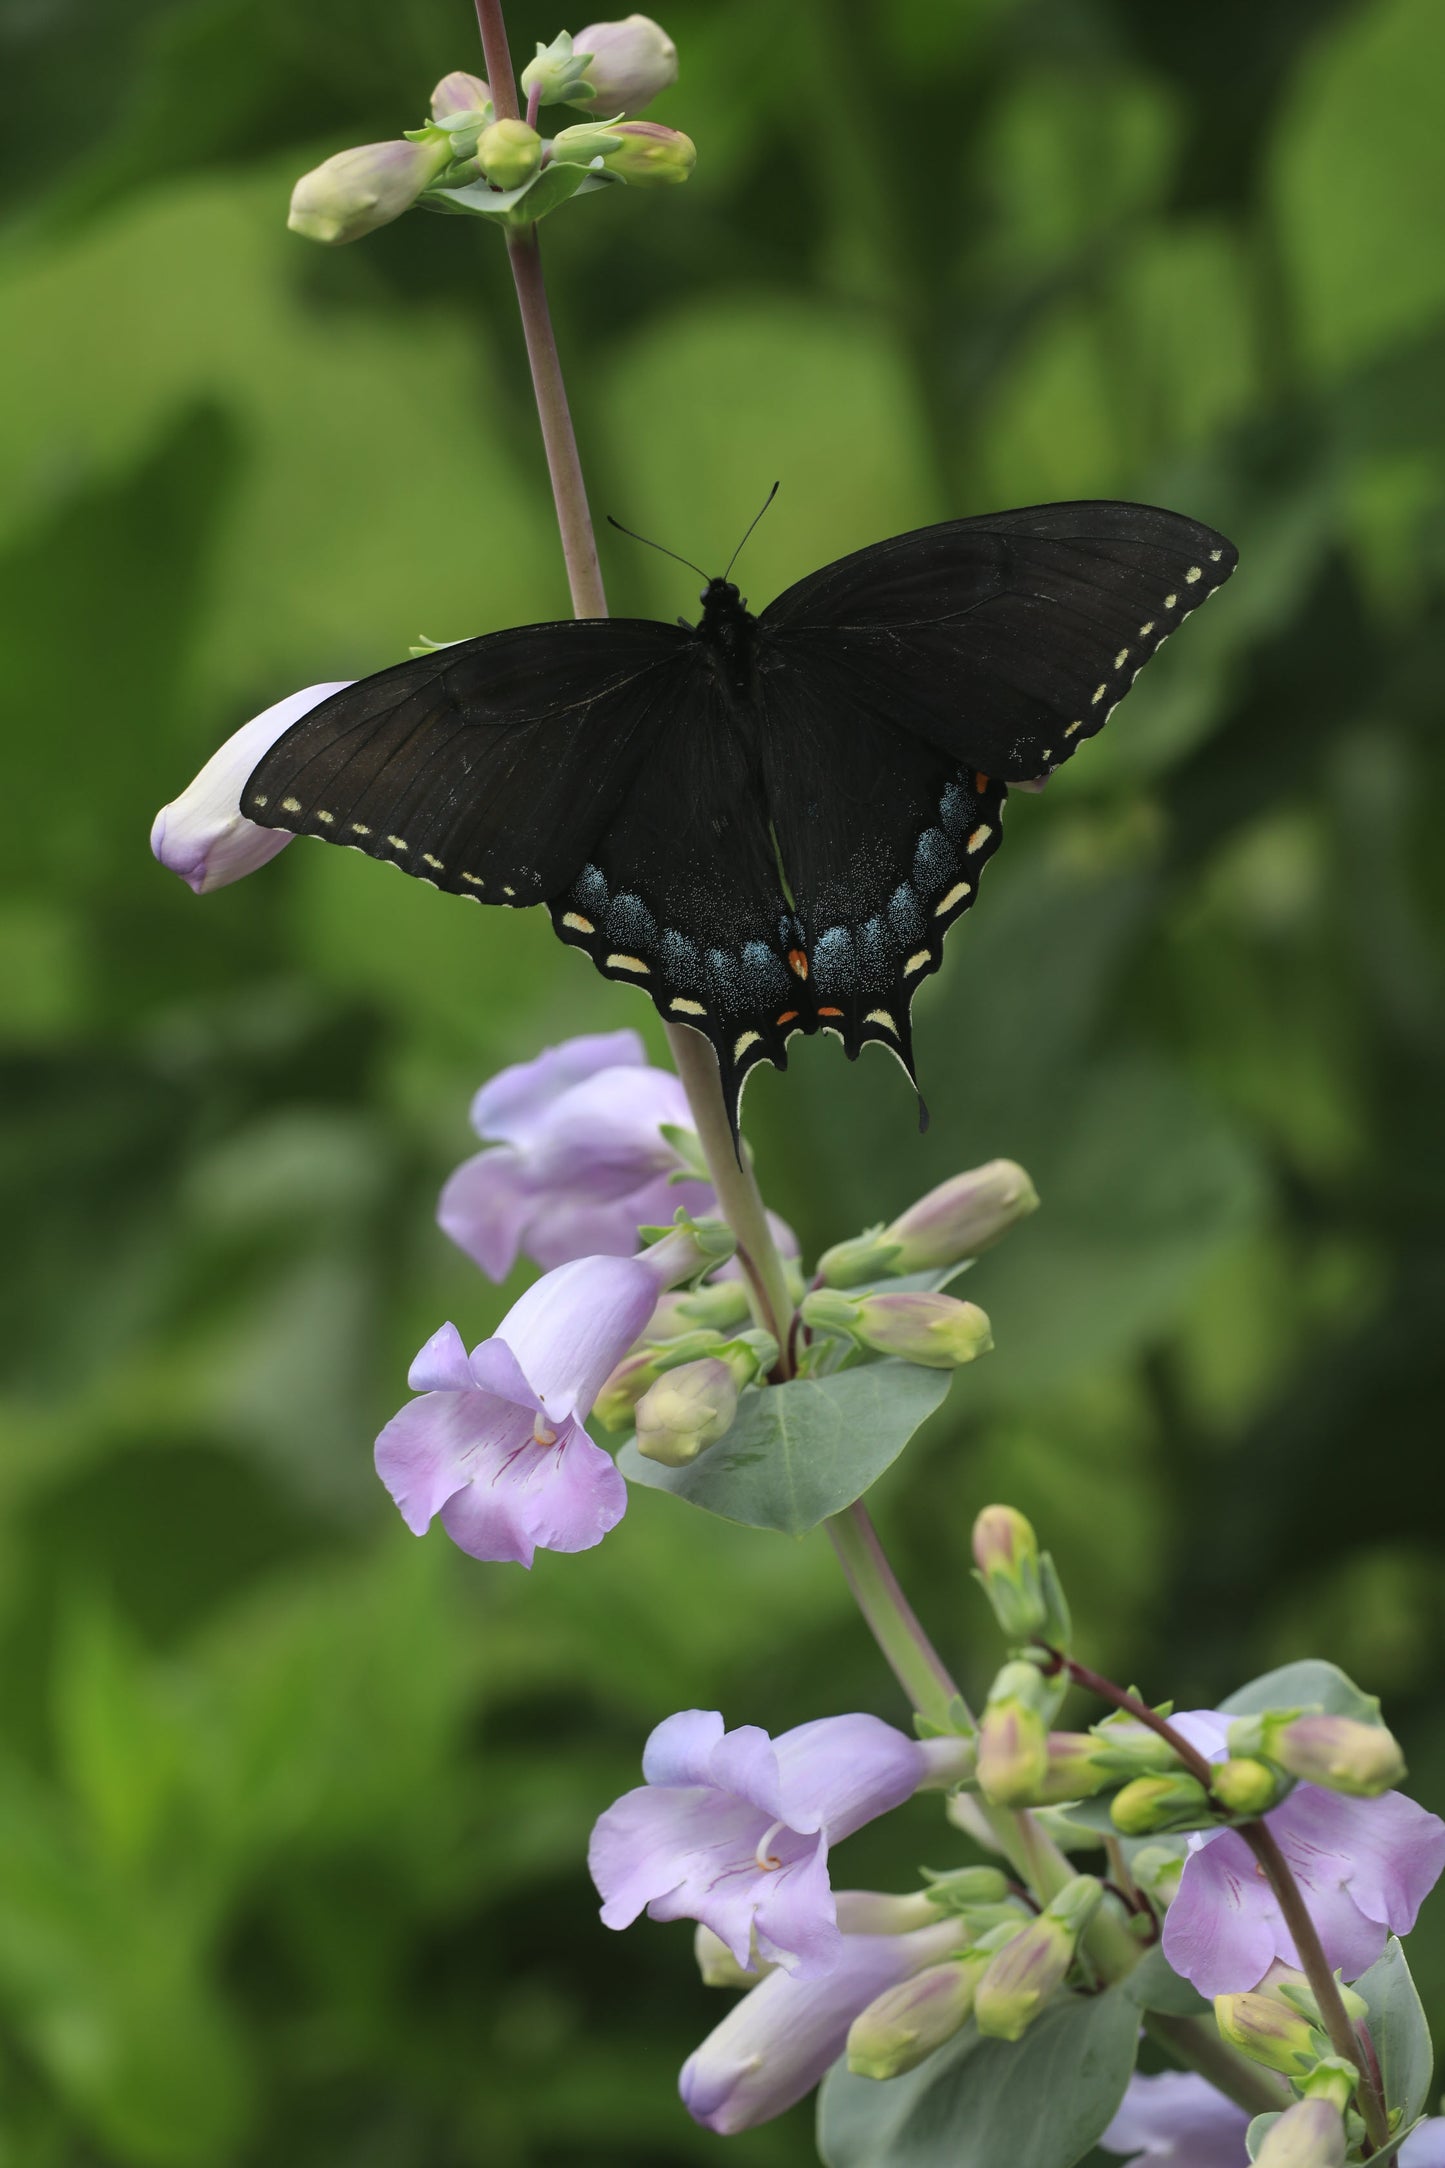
(733, 1828)
(579, 1162)
(776, 2043)
(1365, 1866)
(495, 1444)
(203, 835)
(1425, 2146)
(1180, 2119)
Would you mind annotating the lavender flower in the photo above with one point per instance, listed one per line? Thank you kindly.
(775, 2044)
(1365, 1867)
(203, 835)
(580, 1160)
(1178, 2118)
(1425, 2146)
(495, 1444)
(733, 1829)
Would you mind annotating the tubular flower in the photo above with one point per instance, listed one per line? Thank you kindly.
(495, 1444)
(203, 835)
(734, 1828)
(775, 2044)
(580, 1160)
(1180, 2119)
(1365, 1867)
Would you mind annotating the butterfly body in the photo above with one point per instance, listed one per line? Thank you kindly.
(768, 822)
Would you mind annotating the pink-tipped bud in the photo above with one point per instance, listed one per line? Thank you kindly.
(459, 93)
(1339, 1753)
(686, 1411)
(1013, 1737)
(1018, 1579)
(628, 64)
(1026, 1974)
(904, 2025)
(933, 1330)
(650, 156)
(1311, 2134)
(358, 190)
(1268, 2031)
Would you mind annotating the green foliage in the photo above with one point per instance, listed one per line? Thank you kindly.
(976, 2102)
(292, 1808)
(802, 1451)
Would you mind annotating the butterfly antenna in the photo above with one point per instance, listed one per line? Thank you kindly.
(737, 553)
(634, 537)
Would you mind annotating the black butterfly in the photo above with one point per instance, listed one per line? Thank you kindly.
(768, 823)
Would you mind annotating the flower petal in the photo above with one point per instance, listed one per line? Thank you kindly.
(428, 1452)
(1223, 1930)
(574, 1326)
(511, 1104)
(493, 1368)
(603, 1138)
(202, 835)
(1382, 1855)
(441, 1366)
(796, 1922)
(678, 1751)
(485, 1207)
(562, 1225)
(564, 1497)
(1425, 2146)
(841, 1771)
(676, 1850)
(1179, 2118)
(744, 1763)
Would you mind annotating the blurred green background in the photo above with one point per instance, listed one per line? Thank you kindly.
(293, 1808)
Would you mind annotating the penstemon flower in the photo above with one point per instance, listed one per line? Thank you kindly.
(1179, 2119)
(734, 1828)
(495, 1445)
(203, 835)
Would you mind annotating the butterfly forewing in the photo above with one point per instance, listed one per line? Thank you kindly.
(1005, 641)
(488, 768)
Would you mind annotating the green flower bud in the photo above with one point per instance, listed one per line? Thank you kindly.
(961, 1889)
(1332, 2079)
(962, 1217)
(687, 1410)
(1078, 1766)
(1162, 1802)
(1018, 1579)
(1311, 2134)
(640, 1370)
(1269, 2032)
(579, 146)
(1295, 1989)
(558, 73)
(687, 1249)
(933, 1330)
(460, 93)
(651, 156)
(628, 64)
(877, 1912)
(1339, 1753)
(907, 2022)
(717, 1965)
(1243, 1785)
(1156, 1868)
(509, 152)
(717, 1304)
(1031, 1968)
(358, 190)
(1013, 1737)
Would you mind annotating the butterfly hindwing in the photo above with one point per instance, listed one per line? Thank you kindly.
(488, 768)
(1007, 640)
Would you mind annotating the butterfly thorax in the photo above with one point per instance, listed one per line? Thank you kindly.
(727, 629)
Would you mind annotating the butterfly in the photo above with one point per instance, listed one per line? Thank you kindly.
(769, 823)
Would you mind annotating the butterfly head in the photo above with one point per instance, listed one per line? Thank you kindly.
(722, 605)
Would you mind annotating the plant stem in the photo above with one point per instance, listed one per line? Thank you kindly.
(500, 79)
(1277, 1872)
(891, 1619)
(1194, 2041)
(569, 491)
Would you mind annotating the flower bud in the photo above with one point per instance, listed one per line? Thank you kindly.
(1030, 1969)
(358, 190)
(459, 93)
(203, 835)
(962, 1889)
(557, 73)
(717, 1965)
(1013, 1737)
(907, 2022)
(1269, 2032)
(963, 1216)
(1311, 2134)
(1156, 1869)
(1162, 1802)
(1243, 1785)
(687, 1249)
(687, 1410)
(1294, 1988)
(640, 1370)
(509, 152)
(933, 1330)
(579, 146)
(718, 1305)
(651, 156)
(1018, 1579)
(628, 64)
(879, 1912)
(1078, 1766)
(1339, 1753)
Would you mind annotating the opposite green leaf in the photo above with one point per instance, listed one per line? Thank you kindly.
(1400, 2032)
(1310, 1684)
(1040, 2103)
(545, 191)
(1155, 1985)
(802, 1451)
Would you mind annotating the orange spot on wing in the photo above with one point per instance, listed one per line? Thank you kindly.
(789, 1016)
(981, 782)
(830, 1012)
(799, 961)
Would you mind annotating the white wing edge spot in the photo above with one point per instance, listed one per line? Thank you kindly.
(741, 1045)
(629, 963)
(260, 798)
(1098, 695)
(956, 894)
(1145, 630)
(360, 828)
(1195, 572)
(1170, 601)
(290, 805)
(916, 963)
(323, 815)
(473, 880)
(881, 1016)
(577, 922)
(506, 891)
(1072, 727)
(979, 837)
(428, 860)
(398, 843)
(1214, 556)
(682, 1007)
(1121, 658)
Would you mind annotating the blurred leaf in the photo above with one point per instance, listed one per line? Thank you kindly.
(801, 1451)
(1039, 2102)
(1309, 1684)
(1155, 1985)
(1399, 2032)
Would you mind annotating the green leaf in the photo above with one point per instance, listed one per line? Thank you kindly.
(1399, 2030)
(1259, 2130)
(544, 191)
(801, 1451)
(1037, 2103)
(1309, 1684)
(1155, 1985)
